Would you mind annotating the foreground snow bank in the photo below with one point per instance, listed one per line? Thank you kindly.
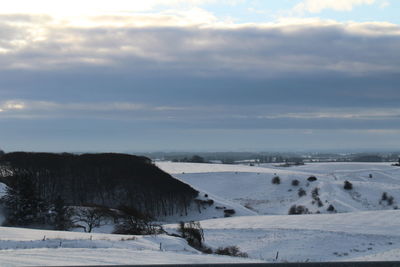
(25, 247)
(316, 238)
(106, 256)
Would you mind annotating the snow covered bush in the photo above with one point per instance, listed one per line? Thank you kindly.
(229, 212)
(295, 182)
(231, 251)
(276, 180)
(347, 185)
(298, 209)
(385, 197)
(319, 202)
(133, 222)
(301, 192)
(203, 202)
(311, 178)
(390, 200)
(315, 197)
(331, 208)
(315, 193)
(193, 233)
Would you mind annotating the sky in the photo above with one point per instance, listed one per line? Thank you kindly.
(200, 75)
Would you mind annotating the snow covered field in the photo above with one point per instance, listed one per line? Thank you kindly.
(363, 228)
(327, 237)
(24, 247)
(251, 187)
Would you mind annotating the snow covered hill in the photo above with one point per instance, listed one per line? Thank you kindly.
(364, 227)
(251, 186)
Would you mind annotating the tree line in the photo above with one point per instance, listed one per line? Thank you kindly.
(108, 180)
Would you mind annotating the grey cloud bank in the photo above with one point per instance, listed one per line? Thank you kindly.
(111, 87)
(251, 51)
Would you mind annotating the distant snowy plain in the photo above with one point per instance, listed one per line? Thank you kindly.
(364, 227)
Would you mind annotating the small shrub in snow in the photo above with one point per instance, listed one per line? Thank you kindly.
(128, 238)
(229, 212)
(347, 185)
(134, 226)
(311, 178)
(301, 192)
(331, 208)
(315, 194)
(390, 200)
(207, 250)
(318, 202)
(276, 180)
(248, 206)
(130, 221)
(193, 233)
(296, 210)
(231, 251)
(295, 182)
(385, 197)
(202, 202)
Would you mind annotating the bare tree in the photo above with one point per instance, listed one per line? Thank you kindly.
(89, 218)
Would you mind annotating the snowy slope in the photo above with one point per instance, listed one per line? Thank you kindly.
(216, 210)
(251, 186)
(23, 247)
(364, 228)
(182, 168)
(324, 237)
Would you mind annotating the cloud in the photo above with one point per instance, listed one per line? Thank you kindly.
(262, 50)
(91, 7)
(343, 113)
(384, 4)
(316, 6)
(207, 117)
(12, 105)
(128, 111)
(138, 73)
(51, 106)
(290, 62)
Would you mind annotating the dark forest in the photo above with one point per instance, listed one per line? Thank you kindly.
(109, 180)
